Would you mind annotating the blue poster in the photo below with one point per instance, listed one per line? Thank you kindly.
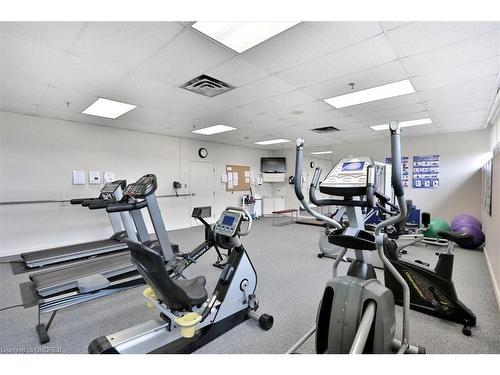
(426, 172)
(405, 170)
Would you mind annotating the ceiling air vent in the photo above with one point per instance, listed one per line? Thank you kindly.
(207, 86)
(326, 129)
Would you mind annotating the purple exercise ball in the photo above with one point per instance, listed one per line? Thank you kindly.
(465, 219)
(477, 236)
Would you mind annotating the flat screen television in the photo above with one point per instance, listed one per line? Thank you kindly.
(273, 165)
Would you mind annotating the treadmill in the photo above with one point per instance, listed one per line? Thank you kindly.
(94, 274)
(82, 281)
(111, 192)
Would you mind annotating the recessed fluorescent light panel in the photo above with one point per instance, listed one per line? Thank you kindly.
(404, 124)
(370, 95)
(214, 129)
(321, 152)
(108, 108)
(272, 142)
(240, 36)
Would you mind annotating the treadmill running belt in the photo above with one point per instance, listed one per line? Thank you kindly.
(66, 278)
(58, 254)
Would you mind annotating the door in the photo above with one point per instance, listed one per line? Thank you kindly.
(202, 183)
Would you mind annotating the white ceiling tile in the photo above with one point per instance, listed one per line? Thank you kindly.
(468, 51)
(306, 109)
(20, 91)
(264, 88)
(58, 35)
(462, 73)
(18, 107)
(319, 119)
(56, 98)
(403, 112)
(308, 40)
(425, 36)
(389, 25)
(124, 44)
(383, 104)
(29, 61)
(48, 112)
(370, 53)
(140, 90)
(372, 77)
(237, 72)
(442, 110)
(279, 102)
(87, 75)
(468, 116)
(471, 91)
(187, 56)
(191, 104)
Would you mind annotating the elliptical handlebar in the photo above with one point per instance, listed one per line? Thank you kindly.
(299, 160)
(248, 217)
(396, 180)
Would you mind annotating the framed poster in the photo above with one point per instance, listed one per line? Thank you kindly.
(426, 172)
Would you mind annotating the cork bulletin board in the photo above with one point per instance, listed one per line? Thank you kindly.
(238, 178)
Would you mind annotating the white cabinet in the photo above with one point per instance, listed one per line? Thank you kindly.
(272, 204)
(273, 177)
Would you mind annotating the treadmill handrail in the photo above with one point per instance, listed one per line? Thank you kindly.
(123, 206)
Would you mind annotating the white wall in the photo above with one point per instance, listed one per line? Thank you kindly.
(491, 224)
(285, 189)
(37, 156)
(461, 156)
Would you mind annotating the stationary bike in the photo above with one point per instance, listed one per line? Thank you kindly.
(357, 312)
(189, 318)
(431, 290)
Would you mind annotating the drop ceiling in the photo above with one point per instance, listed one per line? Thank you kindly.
(57, 69)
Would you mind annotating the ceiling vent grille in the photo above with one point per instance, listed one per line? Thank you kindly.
(326, 129)
(207, 86)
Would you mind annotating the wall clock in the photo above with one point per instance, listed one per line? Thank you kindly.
(203, 153)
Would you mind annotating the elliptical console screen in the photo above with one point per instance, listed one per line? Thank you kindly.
(228, 220)
(352, 166)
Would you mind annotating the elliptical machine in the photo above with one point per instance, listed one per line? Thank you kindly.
(432, 291)
(189, 318)
(357, 313)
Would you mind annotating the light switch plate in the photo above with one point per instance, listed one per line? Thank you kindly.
(94, 177)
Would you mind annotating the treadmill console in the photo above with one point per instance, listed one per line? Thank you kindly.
(143, 187)
(350, 177)
(109, 190)
(228, 223)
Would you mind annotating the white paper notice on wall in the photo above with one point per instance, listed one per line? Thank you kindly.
(109, 177)
(223, 178)
(79, 178)
(94, 177)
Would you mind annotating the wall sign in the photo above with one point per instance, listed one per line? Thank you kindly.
(426, 172)
(405, 170)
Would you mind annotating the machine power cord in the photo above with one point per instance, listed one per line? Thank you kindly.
(11, 307)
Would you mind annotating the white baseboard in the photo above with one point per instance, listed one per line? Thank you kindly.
(496, 287)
